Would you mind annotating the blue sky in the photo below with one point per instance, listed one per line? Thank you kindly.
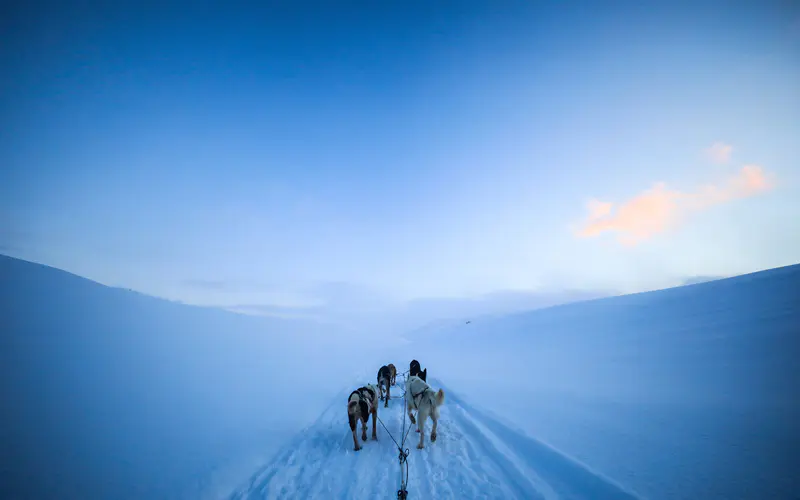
(299, 155)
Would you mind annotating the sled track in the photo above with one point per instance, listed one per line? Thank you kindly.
(475, 456)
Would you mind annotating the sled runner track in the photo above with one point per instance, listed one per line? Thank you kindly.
(475, 456)
(565, 477)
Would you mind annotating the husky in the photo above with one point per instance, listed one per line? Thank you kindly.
(414, 369)
(362, 403)
(421, 397)
(385, 380)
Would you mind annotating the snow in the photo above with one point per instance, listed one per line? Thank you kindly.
(119, 395)
(474, 457)
(681, 393)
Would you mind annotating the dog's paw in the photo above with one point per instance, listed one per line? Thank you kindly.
(374, 437)
(356, 448)
(433, 436)
(420, 446)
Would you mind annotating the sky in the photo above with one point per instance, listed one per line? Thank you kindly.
(309, 154)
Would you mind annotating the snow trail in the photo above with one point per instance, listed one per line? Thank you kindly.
(475, 456)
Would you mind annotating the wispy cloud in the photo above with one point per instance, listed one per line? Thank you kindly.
(598, 209)
(308, 313)
(637, 219)
(719, 152)
(231, 285)
(205, 284)
(659, 208)
(695, 280)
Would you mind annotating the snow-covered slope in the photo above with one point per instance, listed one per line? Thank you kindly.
(681, 393)
(108, 393)
(689, 392)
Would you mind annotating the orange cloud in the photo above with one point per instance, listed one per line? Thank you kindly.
(598, 209)
(659, 208)
(719, 152)
(750, 180)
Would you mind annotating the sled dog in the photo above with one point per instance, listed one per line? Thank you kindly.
(361, 403)
(421, 397)
(385, 381)
(414, 370)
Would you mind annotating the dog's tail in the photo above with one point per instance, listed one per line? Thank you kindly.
(440, 397)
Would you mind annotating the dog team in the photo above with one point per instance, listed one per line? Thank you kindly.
(363, 402)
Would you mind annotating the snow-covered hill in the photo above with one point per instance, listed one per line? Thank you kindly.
(109, 393)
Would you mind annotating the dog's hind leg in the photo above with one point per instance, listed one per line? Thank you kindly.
(423, 416)
(374, 424)
(351, 416)
(410, 415)
(364, 428)
(435, 418)
(388, 394)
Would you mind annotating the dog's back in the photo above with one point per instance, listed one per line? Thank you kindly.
(357, 408)
(384, 374)
(422, 396)
(360, 404)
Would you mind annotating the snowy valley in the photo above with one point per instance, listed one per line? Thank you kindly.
(687, 392)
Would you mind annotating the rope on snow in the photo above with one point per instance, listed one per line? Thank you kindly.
(402, 493)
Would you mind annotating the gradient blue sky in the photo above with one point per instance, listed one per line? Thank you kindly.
(290, 155)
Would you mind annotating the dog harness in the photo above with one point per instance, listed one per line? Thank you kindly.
(370, 391)
(364, 402)
(414, 396)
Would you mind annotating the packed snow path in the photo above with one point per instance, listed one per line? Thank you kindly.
(474, 456)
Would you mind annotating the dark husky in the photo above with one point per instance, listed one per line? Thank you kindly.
(385, 380)
(415, 371)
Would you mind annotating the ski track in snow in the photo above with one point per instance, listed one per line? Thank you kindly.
(474, 456)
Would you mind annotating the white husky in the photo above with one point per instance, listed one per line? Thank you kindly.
(421, 397)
